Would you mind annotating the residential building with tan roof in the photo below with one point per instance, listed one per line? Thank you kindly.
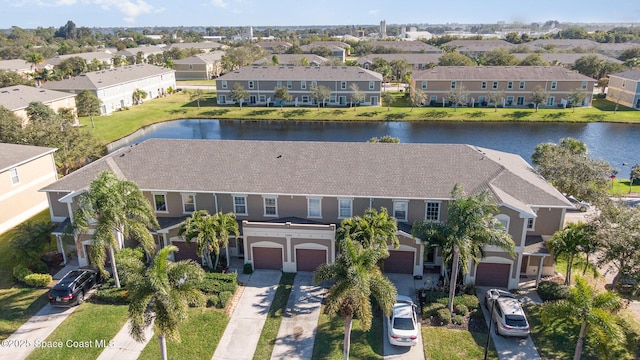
(16, 65)
(407, 47)
(274, 47)
(17, 98)
(292, 60)
(517, 82)
(417, 61)
(289, 197)
(261, 82)
(566, 60)
(206, 46)
(204, 66)
(478, 47)
(89, 57)
(624, 88)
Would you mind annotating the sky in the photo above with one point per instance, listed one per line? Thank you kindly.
(133, 13)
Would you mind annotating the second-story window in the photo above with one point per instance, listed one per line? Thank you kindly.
(240, 204)
(160, 202)
(484, 85)
(289, 84)
(343, 85)
(188, 203)
(453, 84)
(510, 85)
(314, 207)
(494, 85)
(303, 85)
(504, 222)
(424, 84)
(584, 85)
(372, 85)
(432, 212)
(521, 86)
(270, 206)
(15, 178)
(314, 83)
(250, 84)
(400, 209)
(554, 85)
(224, 84)
(345, 207)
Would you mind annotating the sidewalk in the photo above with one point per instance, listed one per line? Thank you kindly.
(297, 333)
(124, 347)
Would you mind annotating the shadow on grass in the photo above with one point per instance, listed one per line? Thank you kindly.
(178, 111)
(434, 115)
(295, 113)
(477, 114)
(369, 113)
(595, 117)
(517, 115)
(395, 116)
(553, 116)
(261, 112)
(217, 112)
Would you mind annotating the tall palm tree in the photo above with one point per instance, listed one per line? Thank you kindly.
(211, 233)
(568, 243)
(594, 312)
(357, 277)
(162, 293)
(470, 225)
(373, 229)
(120, 211)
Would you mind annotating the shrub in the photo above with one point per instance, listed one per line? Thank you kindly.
(111, 295)
(215, 283)
(430, 310)
(37, 280)
(20, 272)
(550, 291)
(444, 316)
(461, 309)
(38, 266)
(247, 269)
(458, 320)
(213, 301)
(225, 297)
(470, 301)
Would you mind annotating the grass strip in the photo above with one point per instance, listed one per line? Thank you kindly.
(274, 318)
(441, 343)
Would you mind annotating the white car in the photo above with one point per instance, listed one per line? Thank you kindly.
(494, 294)
(403, 328)
(510, 318)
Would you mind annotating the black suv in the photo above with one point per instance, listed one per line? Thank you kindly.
(73, 287)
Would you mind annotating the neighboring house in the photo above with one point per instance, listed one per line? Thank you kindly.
(274, 47)
(204, 66)
(115, 87)
(17, 98)
(414, 34)
(417, 61)
(407, 47)
(130, 54)
(206, 46)
(89, 57)
(290, 196)
(475, 48)
(17, 65)
(566, 60)
(624, 87)
(260, 82)
(561, 44)
(339, 50)
(24, 170)
(517, 82)
(292, 60)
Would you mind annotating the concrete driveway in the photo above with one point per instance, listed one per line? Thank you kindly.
(406, 285)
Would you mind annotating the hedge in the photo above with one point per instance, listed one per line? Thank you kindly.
(20, 272)
(38, 280)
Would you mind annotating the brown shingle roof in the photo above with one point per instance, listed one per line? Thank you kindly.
(18, 97)
(321, 168)
(12, 155)
(338, 73)
(629, 74)
(524, 73)
(105, 78)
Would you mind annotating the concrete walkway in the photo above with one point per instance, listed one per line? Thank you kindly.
(241, 336)
(406, 285)
(124, 347)
(297, 333)
(24, 340)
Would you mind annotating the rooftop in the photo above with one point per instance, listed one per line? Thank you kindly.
(105, 78)
(18, 97)
(12, 155)
(523, 73)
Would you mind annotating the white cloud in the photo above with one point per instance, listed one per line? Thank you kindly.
(374, 12)
(219, 3)
(130, 9)
(66, 2)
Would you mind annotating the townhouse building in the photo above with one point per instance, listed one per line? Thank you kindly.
(417, 61)
(624, 87)
(17, 98)
(204, 66)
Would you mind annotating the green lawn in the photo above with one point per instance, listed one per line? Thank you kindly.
(441, 343)
(274, 318)
(330, 339)
(620, 186)
(200, 335)
(90, 322)
(180, 83)
(178, 106)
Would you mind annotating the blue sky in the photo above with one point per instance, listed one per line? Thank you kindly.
(119, 13)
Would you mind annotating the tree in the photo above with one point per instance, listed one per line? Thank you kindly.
(10, 127)
(495, 97)
(139, 95)
(388, 99)
(457, 96)
(384, 139)
(244, 55)
(196, 95)
(417, 98)
(121, 211)
(470, 226)
(576, 97)
(282, 95)
(567, 166)
(72, 66)
(570, 242)
(499, 57)
(35, 59)
(275, 60)
(594, 312)
(239, 94)
(29, 241)
(357, 96)
(539, 96)
(590, 65)
(210, 232)
(373, 229)
(635, 175)
(455, 59)
(162, 293)
(357, 278)
(320, 94)
(88, 104)
(533, 60)
(399, 68)
(11, 78)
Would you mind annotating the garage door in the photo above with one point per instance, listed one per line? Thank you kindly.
(399, 262)
(490, 274)
(267, 258)
(185, 252)
(309, 260)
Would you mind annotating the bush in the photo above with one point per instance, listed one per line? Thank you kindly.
(444, 316)
(213, 301)
(38, 266)
(38, 280)
(247, 269)
(111, 295)
(215, 283)
(458, 320)
(470, 301)
(430, 310)
(461, 310)
(20, 272)
(225, 297)
(550, 291)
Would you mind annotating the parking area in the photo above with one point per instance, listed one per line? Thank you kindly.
(406, 285)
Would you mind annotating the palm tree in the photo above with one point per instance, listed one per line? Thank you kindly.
(594, 312)
(357, 277)
(162, 293)
(373, 229)
(120, 211)
(470, 225)
(568, 243)
(211, 232)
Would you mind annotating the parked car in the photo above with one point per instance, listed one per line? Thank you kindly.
(510, 318)
(495, 293)
(578, 204)
(74, 287)
(403, 328)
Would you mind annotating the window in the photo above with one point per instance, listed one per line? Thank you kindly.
(400, 209)
(509, 100)
(554, 85)
(289, 84)
(270, 206)
(503, 221)
(240, 204)
(372, 85)
(305, 99)
(584, 85)
(222, 99)
(314, 207)
(510, 85)
(250, 84)
(424, 84)
(15, 178)
(374, 100)
(343, 85)
(262, 98)
(494, 85)
(332, 98)
(520, 100)
(550, 101)
(521, 85)
(314, 83)
(190, 67)
(303, 85)
(453, 84)
(433, 99)
(224, 84)
(484, 85)
(279, 83)
(345, 208)
(188, 203)
(160, 201)
(433, 211)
